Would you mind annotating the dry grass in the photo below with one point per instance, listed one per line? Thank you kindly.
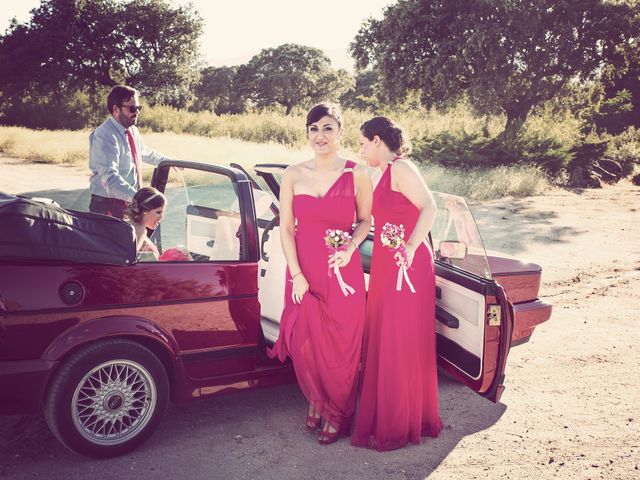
(483, 184)
(45, 146)
(71, 147)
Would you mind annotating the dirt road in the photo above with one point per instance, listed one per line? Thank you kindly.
(571, 409)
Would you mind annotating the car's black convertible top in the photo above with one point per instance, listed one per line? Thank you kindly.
(31, 229)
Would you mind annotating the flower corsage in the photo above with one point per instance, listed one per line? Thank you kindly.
(338, 241)
(392, 236)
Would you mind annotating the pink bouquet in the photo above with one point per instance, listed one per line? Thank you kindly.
(338, 241)
(392, 236)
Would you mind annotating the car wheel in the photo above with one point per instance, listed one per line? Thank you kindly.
(106, 399)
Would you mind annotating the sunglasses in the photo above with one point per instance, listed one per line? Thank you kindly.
(132, 108)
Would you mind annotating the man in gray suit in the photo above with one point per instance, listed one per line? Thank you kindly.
(115, 152)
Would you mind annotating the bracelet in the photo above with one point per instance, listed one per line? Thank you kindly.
(294, 276)
(354, 244)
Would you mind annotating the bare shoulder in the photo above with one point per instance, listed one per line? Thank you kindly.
(361, 178)
(404, 168)
(293, 172)
(359, 171)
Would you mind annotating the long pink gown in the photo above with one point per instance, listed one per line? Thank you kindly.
(399, 392)
(323, 334)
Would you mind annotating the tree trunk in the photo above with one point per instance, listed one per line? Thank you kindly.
(516, 116)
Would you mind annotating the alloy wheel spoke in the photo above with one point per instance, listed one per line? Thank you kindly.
(93, 413)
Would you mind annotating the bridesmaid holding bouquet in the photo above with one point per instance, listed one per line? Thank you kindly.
(323, 319)
(399, 385)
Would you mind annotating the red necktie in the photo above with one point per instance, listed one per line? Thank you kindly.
(136, 161)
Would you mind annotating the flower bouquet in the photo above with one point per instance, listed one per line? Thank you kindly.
(338, 241)
(392, 236)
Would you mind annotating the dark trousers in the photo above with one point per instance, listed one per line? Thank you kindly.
(108, 206)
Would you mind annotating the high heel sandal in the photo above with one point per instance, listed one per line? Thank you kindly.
(312, 423)
(326, 437)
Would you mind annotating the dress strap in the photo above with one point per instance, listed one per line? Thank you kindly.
(348, 166)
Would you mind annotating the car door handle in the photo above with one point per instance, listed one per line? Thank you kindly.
(445, 317)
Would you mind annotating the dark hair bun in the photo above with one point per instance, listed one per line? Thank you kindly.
(390, 133)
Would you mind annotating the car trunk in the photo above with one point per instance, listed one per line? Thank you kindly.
(521, 280)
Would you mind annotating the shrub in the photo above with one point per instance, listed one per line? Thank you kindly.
(64, 111)
(610, 115)
(473, 150)
(486, 183)
(625, 149)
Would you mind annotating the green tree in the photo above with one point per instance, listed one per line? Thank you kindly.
(364, 94)
(291, 75)
(503, 55)
(217, 91)
(80, 45)
(621, 81)
(161, 54)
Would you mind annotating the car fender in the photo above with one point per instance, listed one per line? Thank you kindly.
(108, 327)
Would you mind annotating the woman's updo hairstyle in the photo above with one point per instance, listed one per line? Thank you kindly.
(391, 134)
(145, 199)
(322, 110)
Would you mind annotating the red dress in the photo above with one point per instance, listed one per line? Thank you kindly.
(399, 391)
(323, 334)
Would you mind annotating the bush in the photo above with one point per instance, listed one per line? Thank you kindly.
(72, 111)
(459, 139)
(486, 183)
(264, 127)
(474, 150)
(610, 115)
(588, 153)
(625, 149)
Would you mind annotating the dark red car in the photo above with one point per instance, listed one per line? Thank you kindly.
(100, 340)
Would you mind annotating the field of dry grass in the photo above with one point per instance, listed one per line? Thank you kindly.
(64, 147)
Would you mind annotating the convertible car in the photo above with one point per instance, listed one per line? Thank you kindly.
(100, 340)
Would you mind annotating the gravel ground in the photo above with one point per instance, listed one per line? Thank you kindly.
(571, 409)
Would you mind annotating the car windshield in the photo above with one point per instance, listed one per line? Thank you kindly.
(454, 223)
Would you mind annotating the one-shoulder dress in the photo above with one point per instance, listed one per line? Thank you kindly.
(323, 334)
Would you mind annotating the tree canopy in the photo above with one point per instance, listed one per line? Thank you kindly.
(621, 80)
(217, 91)
(291, 75)
(363, 95)
(503, 55)
(74, 45)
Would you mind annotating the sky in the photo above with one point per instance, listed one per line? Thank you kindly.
(236, 30)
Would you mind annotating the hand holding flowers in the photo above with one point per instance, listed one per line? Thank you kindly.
(392, 236)
(338, 243)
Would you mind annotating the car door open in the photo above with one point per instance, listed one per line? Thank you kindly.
(474, 317)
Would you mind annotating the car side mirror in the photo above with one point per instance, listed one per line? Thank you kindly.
(453, 249)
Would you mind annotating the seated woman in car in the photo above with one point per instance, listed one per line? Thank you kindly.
(145, 212)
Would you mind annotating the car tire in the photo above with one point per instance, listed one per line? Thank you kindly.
(107, 399)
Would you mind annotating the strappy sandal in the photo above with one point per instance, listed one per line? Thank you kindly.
(312, 423)
(326, 437)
